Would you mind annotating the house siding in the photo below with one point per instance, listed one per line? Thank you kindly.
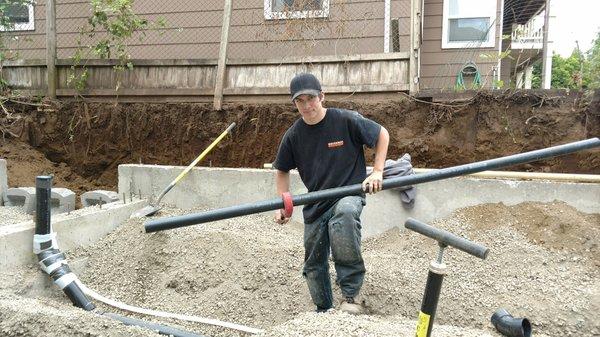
(439, 67)
(194, 30)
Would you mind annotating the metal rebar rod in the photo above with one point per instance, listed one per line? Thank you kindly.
(356, 189)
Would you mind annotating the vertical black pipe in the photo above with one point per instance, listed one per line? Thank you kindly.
(43, 187)
(49, 256)
(430, 302)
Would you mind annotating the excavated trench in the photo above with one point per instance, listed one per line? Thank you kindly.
(544, 263)
(82, 144)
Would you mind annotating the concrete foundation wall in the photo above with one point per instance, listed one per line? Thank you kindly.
(80, 228)
(222, 187)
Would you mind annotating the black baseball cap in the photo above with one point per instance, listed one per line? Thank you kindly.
(304, 84)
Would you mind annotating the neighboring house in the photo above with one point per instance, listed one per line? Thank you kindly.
(354, 45)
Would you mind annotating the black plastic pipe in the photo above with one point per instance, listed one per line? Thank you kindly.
(161, 329)
(334, 193)
(447, 238)
(43, 188)
(66, 280)
(50, 258)
(509, 326)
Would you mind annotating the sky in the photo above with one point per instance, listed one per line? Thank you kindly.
(574, 20)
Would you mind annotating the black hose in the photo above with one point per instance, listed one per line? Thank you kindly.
(161, 329)
(339, 192)
(509, 326)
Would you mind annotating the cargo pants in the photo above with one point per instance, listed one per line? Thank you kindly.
(338, 231)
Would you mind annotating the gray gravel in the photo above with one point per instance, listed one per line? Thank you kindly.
(248, 271)
(10, 215)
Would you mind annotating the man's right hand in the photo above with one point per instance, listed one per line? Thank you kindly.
(280, 218)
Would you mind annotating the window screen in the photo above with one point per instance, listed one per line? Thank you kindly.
(296, 5)
(15, 13)
(468, 29)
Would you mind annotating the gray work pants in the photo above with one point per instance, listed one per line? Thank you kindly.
(339, 229)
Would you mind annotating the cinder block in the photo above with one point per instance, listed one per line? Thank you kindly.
(3, 180)
(98, 197)
(21, 196)
(62, 200)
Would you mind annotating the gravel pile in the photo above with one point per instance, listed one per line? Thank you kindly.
(543, 265)
(12, 215)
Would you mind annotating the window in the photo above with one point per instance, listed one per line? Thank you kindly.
(296, 9)
(16, 15)
(469, 24)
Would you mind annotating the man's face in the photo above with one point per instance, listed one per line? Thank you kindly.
(309, 106)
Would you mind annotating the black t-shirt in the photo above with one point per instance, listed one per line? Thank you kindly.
(328, 154)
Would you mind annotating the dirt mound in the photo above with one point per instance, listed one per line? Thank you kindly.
(247, 270)
(24, 163)
(93, 139)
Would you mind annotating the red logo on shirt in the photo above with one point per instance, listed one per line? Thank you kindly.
(335, 144)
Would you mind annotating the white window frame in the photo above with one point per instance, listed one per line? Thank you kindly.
(488, 9)
(274, 15)
(23, 26)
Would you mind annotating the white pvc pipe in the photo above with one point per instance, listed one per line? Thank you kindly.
(163, 314)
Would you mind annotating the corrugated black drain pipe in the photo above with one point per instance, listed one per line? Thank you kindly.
(54, 263)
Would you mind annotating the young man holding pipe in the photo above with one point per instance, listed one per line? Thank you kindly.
(326, 146)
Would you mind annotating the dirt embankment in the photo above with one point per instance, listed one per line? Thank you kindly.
(91, 140)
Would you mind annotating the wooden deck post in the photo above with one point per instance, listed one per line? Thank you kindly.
(220, 82)
(51, 47)
(415, 42)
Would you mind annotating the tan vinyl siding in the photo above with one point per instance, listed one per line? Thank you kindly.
(439, 67)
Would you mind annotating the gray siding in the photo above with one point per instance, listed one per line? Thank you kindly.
(439, 67)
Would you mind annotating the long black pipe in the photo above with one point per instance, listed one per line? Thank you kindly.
(339, 192)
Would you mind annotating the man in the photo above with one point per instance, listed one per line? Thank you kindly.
(326, 146)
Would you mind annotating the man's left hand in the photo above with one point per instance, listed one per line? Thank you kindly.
(373, 183)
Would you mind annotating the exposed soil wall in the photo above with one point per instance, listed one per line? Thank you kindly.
(93, 139)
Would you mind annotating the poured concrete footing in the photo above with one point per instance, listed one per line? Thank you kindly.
(222, 187)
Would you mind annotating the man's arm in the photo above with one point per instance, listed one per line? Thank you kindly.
(282, 184)
(374, 181)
